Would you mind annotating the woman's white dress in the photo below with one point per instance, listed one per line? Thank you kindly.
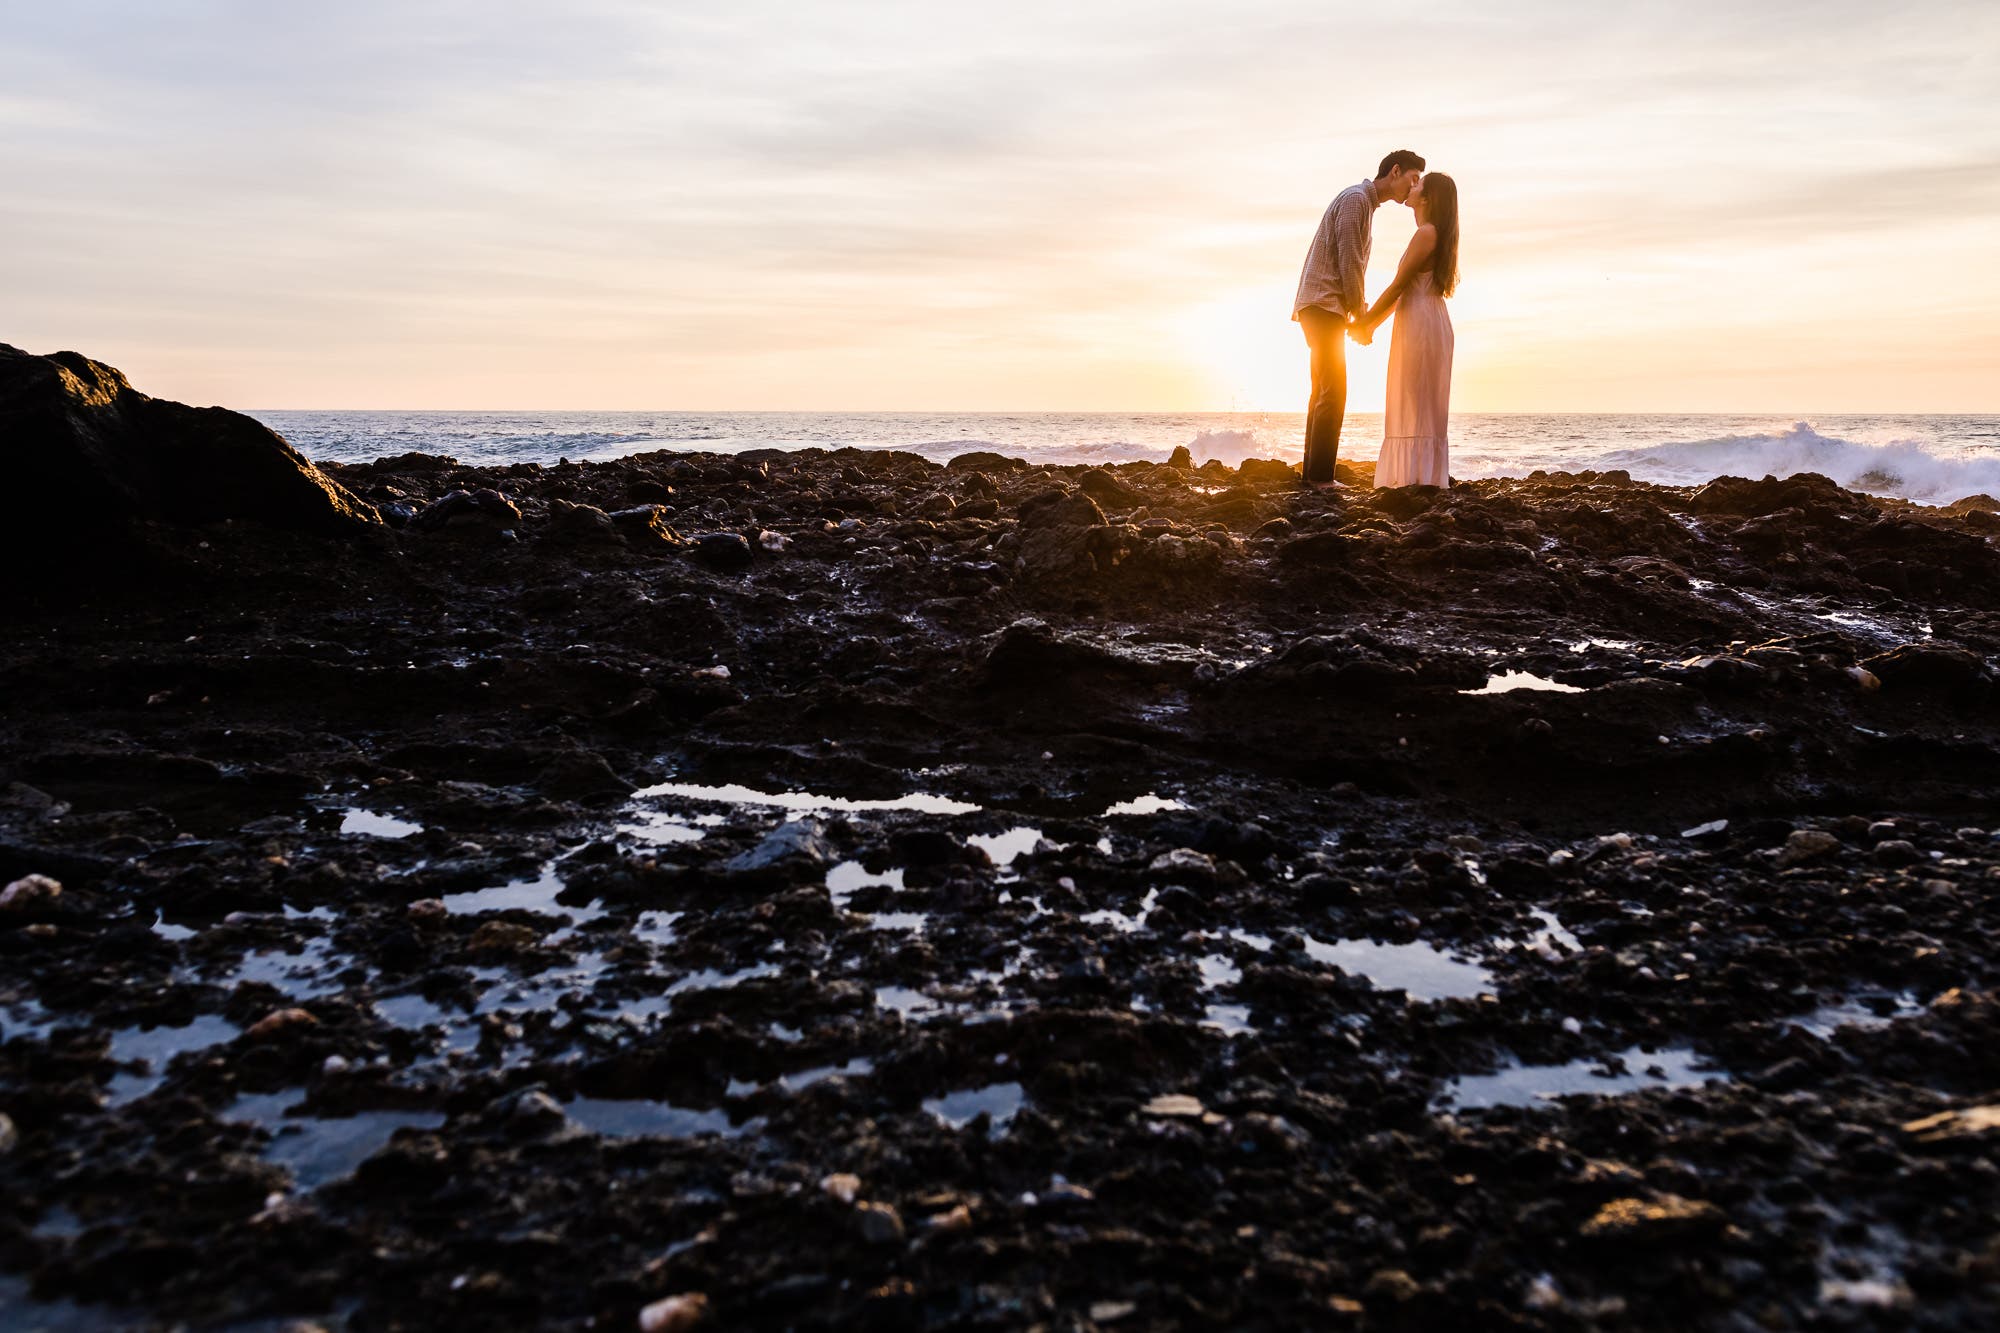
(1415, 448)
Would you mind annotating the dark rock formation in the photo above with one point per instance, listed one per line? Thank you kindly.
(86, 451)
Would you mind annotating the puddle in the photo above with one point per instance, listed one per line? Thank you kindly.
(657, 927)
(1121, 922)
(1858, 1012)
(1424, 971)
(621, 1119)
(1001, 1101)
(1232, 1020)
(1527, 1085)
(533, 895)
(804, 802)
(805, 1078)
(849, 877)
(1552, 933)
(418, 1014)
(1006, 848)
(317, 1150)
(371, 824)
(1152, 803)
(170, 932)
(1217, 971)
(903, 1000)
(305, 975)
(157, 1046)
(660, 830)
(1507, 682)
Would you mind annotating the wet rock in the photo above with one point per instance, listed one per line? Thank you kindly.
(580, 525)
(1662, 1218)
(802, 841)
(484, 509)
(29, 893)
(722, 550)
(1266, 471)
(1804, 845)
(986, 461)
(675, 1314)
(1181, 458)
(1106, 489)
(503, 937)
(280, 1023)
(1896, 852)
(841, 1186)
(428, 912)
(10, 1137)
(1931, 666)
(878, 1223)
(1971, 1122)
(86, 449)
(645, 528)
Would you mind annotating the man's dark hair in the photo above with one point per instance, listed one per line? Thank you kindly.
(1403, 158)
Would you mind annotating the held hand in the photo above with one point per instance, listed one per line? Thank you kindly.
(1361, 331)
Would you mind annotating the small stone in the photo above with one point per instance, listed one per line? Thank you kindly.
(716, 672)
(1882, 828)
(957, 1219)
(336, 1064)
(1110, 1312)
(880, 1223)
(10, 1137)
(842, 1186)
(1897, 852)
(1660, 1218)
(1062, 1194)
(1864, 680)
(1806, 844)
(427, 911)
(722, 550)
(278, 1022)
(28, 892)
(504, 937)
(773, 542)
(1175, 1106)
(1391, 1285)
(1708, 830)
(1183, 861)
(675, 1313)
(801, 840)
(1968, 1122)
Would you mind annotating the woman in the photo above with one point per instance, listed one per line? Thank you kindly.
(1415, 451)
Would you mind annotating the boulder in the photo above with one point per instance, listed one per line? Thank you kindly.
(85, 451)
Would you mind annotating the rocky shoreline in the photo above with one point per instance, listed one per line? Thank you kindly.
(838, 890)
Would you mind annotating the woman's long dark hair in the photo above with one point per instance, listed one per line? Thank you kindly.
(1441, 193)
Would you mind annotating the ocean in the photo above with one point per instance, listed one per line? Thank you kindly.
(1928, 459)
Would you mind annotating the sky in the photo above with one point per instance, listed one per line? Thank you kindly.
(1090, 205)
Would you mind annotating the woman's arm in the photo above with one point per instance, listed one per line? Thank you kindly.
(1416, 257)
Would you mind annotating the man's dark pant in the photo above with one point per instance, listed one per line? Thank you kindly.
(1326, 335)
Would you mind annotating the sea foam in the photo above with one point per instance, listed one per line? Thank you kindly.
(1901, 468)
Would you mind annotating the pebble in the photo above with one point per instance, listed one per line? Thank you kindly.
(427, 911)
(879, 1223)
(1806, 844)
(1175, 1105)
(1864, 680)
(29, 891)
(10, 1137)
(674, 1313)
(1897, 852)
(278, 1022)
(1110, 1312)
(842, 1186)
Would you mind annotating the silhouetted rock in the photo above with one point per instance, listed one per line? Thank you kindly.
(86, 451)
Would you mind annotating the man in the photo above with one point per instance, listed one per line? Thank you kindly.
(1331, 295)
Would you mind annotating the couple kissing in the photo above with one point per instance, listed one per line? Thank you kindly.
(1332, 306)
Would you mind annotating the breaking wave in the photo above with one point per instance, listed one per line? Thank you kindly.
(1904, 468)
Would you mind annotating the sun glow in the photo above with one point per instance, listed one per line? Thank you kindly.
(1250, 356)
